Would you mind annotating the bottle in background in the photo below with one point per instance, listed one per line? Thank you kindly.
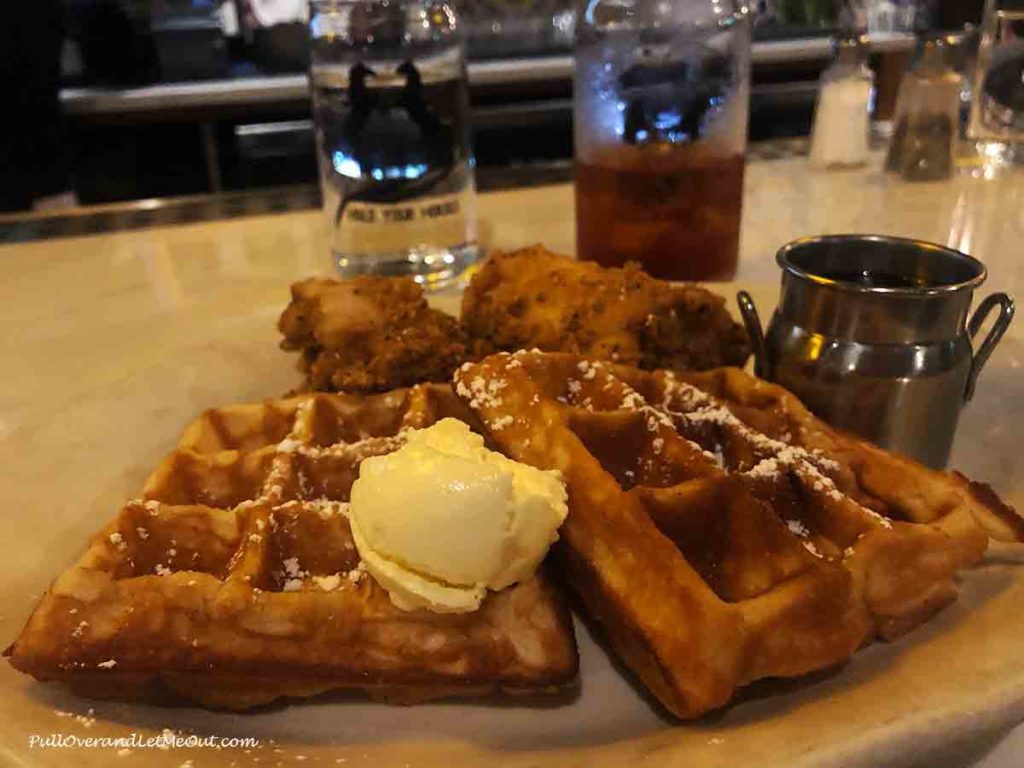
(842, 116)
(927, 116)
(391, 108)
(660, 126)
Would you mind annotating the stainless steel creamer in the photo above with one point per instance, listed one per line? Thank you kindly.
(872, 334)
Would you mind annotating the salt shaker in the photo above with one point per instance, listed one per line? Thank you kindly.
(927, 116)
(842, 118)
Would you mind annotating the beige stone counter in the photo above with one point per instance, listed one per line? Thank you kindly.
(114, 342)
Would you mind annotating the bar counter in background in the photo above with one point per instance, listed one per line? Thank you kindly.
(157, 212)
(783, 199)
(247, 132)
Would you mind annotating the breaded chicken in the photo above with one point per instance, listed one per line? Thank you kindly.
(369, 334)
(534, 298)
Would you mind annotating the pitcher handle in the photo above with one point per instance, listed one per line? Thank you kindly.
(1006, 310)
(752, 322)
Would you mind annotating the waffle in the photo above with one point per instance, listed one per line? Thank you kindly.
(234, 579)
(717, 531)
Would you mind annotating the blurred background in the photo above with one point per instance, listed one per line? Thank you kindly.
(128, 99)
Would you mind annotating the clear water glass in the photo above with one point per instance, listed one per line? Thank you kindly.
(391, 110)
(997, 112)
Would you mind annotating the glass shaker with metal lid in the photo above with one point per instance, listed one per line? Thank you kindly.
(842, 117)
(927, 116)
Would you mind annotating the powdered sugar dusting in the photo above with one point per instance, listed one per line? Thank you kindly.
(357, 573)
(480, 393)
(775, 456)
(289, 445)
(797, 528)
(293, 574)
(328, 583)
(656, 419)
(588, 369)
(809, 546)
(327, 508)
(501, 422)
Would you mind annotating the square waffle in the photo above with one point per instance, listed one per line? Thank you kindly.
(234, 579)
(717, 531)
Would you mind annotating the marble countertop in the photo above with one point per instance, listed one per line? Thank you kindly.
(66, 290)
(114, 341)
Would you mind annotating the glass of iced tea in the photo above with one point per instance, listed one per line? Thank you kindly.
(661, 103)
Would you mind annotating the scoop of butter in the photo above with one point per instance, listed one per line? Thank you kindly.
(443, 519)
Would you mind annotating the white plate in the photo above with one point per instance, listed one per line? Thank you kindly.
(92, 401)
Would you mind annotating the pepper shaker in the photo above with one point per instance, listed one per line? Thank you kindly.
(927, 116)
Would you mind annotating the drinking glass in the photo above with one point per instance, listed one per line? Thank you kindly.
(997, 111)
(661, 105)
(391, 106)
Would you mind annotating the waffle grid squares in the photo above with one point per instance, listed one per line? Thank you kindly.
(719, 532)
(234, 578)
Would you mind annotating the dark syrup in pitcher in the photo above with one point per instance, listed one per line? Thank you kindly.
(869, 278)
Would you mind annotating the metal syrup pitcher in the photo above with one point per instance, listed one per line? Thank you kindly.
(872, 334)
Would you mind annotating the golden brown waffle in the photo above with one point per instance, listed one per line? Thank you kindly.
(717, 531)
(234, 579)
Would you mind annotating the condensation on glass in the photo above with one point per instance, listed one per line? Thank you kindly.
(661, 103)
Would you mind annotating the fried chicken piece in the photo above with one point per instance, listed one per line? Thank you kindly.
(534, 298)
(369, 334)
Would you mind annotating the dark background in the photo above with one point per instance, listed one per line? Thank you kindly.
(126, 43)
